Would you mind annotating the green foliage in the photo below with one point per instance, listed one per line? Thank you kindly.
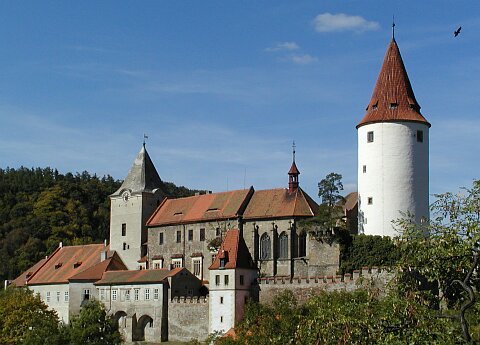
(25, 319)
(94, 327)
(358, 317)
(41, 207)
(329, 189)
(359, 251)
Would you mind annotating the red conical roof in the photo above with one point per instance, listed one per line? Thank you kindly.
(393, 99)
(293, 169)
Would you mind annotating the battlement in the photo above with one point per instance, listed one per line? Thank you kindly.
(189, 299)
(304, 287)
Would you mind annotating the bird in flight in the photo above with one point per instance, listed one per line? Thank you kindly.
(456, 32)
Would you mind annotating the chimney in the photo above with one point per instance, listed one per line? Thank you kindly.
(103, 255)
(60, 245)
(105, 242)
(6, 284)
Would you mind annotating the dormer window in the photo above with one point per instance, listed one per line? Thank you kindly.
(212, 209)
(58, 265)
(178, 213)
(374, 107)
(223, 262)
(77, 264)
(393, 105)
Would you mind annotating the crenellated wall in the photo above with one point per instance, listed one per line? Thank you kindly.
(188, 318)
(305, 287)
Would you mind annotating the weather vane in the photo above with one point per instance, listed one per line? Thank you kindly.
(293, 147)
(393, 27)
(144, 138)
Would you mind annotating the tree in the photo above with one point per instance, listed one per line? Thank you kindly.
(329, 189)
(24, 318)
(445, 250)
(94, 327)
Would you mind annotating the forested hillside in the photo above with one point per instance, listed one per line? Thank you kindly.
(41, 207)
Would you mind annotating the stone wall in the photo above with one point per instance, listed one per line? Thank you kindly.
(188, 318)
(305, 287)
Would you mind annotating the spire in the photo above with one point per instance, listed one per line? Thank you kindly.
(393, 98)
(393, 28)
(142, 177)
(293, 173)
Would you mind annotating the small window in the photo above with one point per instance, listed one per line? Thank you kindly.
(58, 296)
(136, 294)
(242, 280)
(124, 229)
(197, 267)
(114, 295)
(393, 105)
(160, 238)
(155, 294)
(370, 200)
(217, 232)
(217, 282)
(225, 280)
(86, 294)
(179, 236)
(369, 137)
(177, 263)
(221, 300)
(374, 107)
(127, 295)
(364, 169)
(66, 296)
(102, 294)
(213, 257)
(202, 234)
(221, 318)
(190, 235)
(48, 296)
(147, 294)
(222, 262)
(124, 246)
(420, 136)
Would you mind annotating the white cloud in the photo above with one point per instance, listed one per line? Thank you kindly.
(327, 22)
(282, 46)
(303, 59)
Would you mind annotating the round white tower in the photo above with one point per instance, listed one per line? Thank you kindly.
(393, 152)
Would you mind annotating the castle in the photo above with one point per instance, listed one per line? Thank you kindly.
(177, 269)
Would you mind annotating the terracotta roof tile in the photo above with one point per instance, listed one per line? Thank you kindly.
(157, 257)
(22, 279)
(142, 259)
(393, 98)
(274, 203)
(235, 251)
(60, 266)
(113, 263)
(137, 276)
(199, 208)
(293, 170)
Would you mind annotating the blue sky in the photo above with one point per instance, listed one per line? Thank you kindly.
(222, 88)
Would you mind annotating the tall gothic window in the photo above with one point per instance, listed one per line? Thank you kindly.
(283, 246)
(302, 244)
(265, 247)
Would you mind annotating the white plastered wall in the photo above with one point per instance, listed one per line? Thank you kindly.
(396, 177)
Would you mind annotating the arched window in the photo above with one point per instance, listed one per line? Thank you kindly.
(265, 247)
(283, 246)
(302, 244)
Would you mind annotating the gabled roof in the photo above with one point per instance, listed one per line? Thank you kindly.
(138, 276)
(22, 279)
(113, 263)
(66, 262)
(293, 169)
(235, 251)
(142, 177)
(350, 201)
(200, 208)
(277, 203)
(393, 98)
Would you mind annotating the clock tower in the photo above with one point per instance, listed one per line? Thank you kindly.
(131, 206)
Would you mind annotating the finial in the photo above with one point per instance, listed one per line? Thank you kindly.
(144, 137)
(393, 27)
(293, 147)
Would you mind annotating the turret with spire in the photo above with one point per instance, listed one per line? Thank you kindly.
(293, 174)
(393, 151)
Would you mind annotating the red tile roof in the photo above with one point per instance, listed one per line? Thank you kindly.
(393, 98)
(137, 276)
(277, 203)
(61, 265)
(22, 279)
(199, 208)
(293, 170)
(235, 251)
(113, 263)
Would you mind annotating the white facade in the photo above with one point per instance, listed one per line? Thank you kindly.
(393, 175)
(227, 301)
